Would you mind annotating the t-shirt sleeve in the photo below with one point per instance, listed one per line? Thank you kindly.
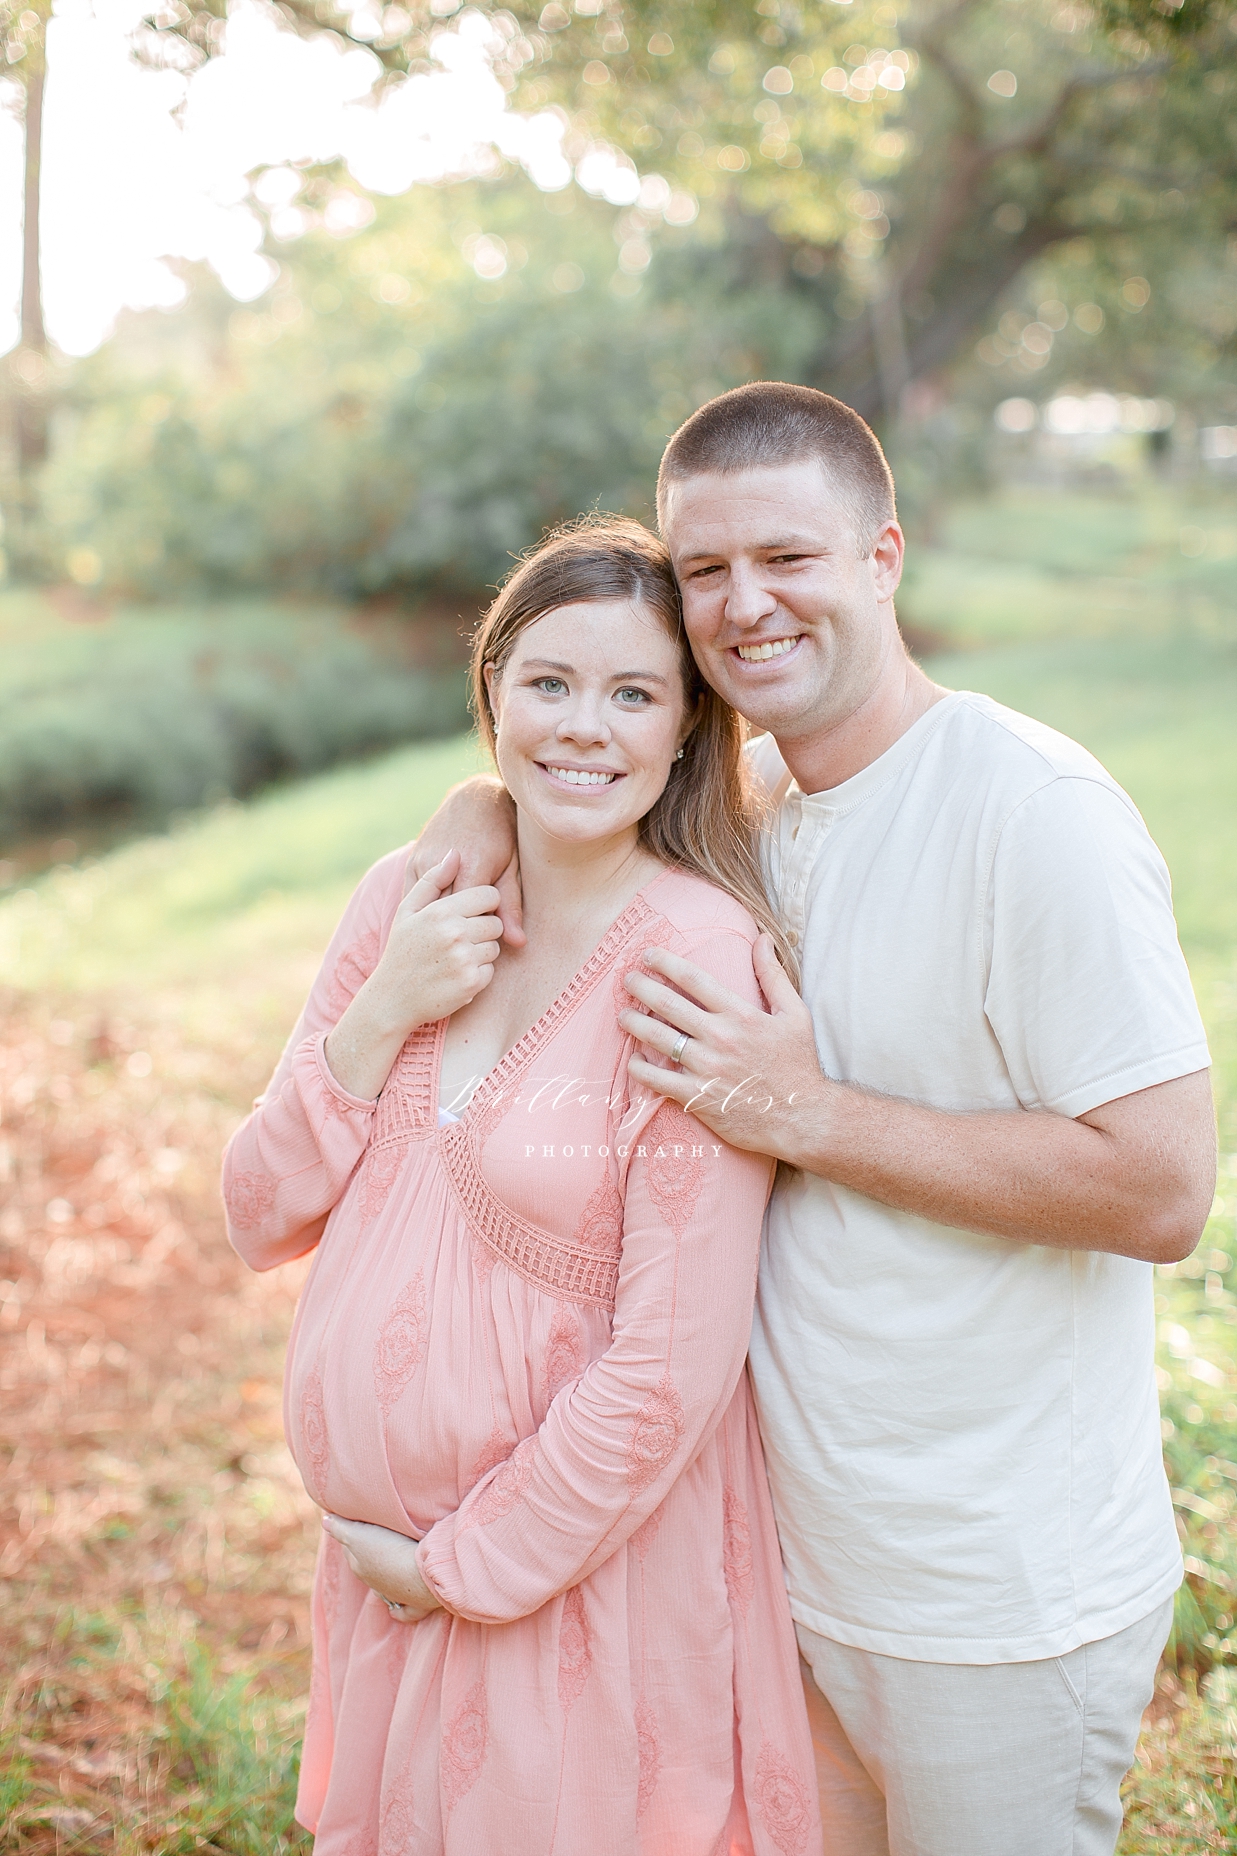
(1088, 993)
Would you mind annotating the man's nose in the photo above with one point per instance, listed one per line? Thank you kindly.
(748, 601)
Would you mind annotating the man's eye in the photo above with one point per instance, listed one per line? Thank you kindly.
(550, 686)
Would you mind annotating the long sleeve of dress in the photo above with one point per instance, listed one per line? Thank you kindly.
(613, 1444)
(289, 1162)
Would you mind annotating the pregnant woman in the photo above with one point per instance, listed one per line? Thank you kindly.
(548, 1616)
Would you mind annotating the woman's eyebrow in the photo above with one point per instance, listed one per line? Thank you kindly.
(620, 676)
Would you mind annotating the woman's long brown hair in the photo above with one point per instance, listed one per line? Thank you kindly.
(709, 813)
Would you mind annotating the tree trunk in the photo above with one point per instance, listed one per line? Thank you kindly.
(31, 405)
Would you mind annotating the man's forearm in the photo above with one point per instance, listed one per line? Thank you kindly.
(1037, 1178)
(1135, 1175)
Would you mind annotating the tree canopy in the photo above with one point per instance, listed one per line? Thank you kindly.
(899, 163)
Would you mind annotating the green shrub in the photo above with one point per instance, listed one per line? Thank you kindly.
(148, 713)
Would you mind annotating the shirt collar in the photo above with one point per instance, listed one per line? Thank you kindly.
(861, 786)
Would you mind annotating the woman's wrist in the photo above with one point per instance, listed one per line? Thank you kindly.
(363, 1046)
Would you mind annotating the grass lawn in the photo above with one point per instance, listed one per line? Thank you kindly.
(154, 1542)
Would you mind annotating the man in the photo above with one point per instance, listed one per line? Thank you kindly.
(993, 1108)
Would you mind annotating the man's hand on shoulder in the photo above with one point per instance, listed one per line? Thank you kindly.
(1134, 1177)
(477, 819)
(751, 1076)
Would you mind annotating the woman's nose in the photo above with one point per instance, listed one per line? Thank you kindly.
(586, 722)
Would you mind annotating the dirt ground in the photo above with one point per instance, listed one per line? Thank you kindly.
(148, 1500)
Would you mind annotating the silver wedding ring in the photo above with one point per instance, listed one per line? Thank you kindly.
(392, 1604)
(678, 1047)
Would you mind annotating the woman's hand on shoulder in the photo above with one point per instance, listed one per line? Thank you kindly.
(442, 947)
(439, 955)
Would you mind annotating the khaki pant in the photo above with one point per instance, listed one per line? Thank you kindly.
(960, 1759)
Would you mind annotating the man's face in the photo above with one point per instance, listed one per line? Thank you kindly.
(786, 620)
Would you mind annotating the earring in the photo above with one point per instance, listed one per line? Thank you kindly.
(679, 755)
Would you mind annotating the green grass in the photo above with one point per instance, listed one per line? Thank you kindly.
(213, 1766)
(1033, 564)
(229, 886)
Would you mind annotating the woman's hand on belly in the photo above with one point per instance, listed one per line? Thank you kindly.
(386, 1562)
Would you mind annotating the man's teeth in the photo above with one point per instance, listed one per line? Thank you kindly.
(574, 777)
(774, 647)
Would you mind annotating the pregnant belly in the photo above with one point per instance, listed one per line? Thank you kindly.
(393, 1419)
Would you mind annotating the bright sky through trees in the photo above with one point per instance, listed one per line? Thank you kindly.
(126, 183)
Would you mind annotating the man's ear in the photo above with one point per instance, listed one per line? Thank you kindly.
(887, 556)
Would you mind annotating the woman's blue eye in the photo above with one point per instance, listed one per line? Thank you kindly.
(640, 695)
(550, 686)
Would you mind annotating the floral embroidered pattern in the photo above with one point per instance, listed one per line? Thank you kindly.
(648, 1754)
(646, 1533)
(361, 1843)
(737, 1550)
(674, 1176)
(314, 1434)
(483, 1260)
(250, 1199)
(504, 1492)
(400, 1343)
(463, 1747)
(495, 1450)
(782, 1801)
(381, 1169)
(656, 932)
(352, 969)
(575, 1649)
(564, 1354)
(601, 1223)
(399, 1820)
(655, 1434)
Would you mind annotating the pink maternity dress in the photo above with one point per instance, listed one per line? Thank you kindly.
(523, 1341)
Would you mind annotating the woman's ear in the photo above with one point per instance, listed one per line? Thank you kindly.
(490, 673)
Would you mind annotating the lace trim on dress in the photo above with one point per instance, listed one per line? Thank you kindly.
(408, 1107)
(571, 1270)
(565, 1271)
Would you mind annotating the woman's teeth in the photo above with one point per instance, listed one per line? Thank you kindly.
(773, 647)
(574, 777)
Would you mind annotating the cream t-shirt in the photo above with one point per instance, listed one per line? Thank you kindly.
(963, 1432)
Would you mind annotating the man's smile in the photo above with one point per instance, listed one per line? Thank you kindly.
(766, 648)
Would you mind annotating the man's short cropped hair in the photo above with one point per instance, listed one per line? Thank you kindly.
(769, 423)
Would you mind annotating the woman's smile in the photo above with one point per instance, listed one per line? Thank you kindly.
(564, 774)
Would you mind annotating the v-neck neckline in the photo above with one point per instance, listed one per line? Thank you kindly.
(579, 983)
